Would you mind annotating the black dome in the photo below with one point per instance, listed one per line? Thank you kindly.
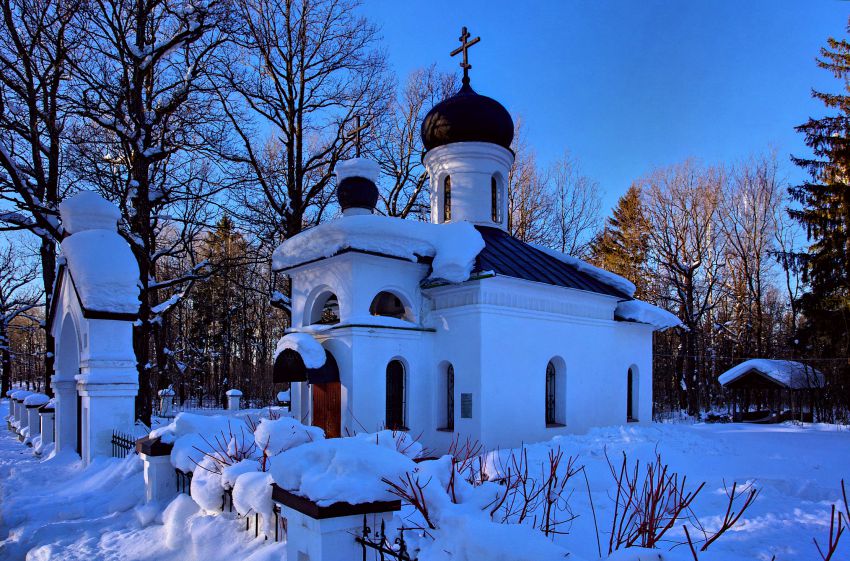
(357, 192)
(467, 117)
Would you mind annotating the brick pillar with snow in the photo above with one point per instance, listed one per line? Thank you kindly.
(166, 402)
(32, 404)
(233, 399)
(327, 533)
(160, 477)
(46, 422)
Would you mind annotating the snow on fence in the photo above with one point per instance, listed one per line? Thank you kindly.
(183, 481)
(207, 406)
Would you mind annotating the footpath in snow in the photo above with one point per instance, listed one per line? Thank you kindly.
(54, 509)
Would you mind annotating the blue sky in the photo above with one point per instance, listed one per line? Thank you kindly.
(630, 85)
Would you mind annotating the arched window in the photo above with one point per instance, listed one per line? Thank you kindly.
(325, 310)
(395, 396)
(556, 393)
(632, 396)
(551, 394)
(495, 201)
(447, 199)
(450, 398)
(389, 305)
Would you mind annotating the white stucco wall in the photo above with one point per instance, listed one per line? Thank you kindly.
(499, 334)
(505, 331)
(471, 166)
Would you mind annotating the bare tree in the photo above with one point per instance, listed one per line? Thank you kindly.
(748, 213)
(139, 87)
(682, 205)
(35, 45)
(529, 199)
(17, 297)
(297, 74)
(576, 206)
(398, 142)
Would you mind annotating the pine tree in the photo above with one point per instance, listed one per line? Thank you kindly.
(623, 244)
(825, 213)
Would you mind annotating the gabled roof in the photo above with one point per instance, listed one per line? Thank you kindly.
(505, 255)
(783, 373)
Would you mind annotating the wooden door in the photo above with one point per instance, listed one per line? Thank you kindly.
(327, 408)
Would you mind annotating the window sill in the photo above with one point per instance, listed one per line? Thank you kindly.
(555, 425)
(632, 420)
(445, 429)
(398, 429)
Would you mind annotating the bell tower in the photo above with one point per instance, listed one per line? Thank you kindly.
(467, 139)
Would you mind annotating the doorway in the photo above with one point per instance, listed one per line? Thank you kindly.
(327, 408)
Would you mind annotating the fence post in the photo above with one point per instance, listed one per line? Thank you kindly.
(160, 484)
(233, 398)
(166, 402)
(46, 413)
(21, 413)
(328, 533)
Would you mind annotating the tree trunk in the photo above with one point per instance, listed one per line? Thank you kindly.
(48, 276)
(6, 360)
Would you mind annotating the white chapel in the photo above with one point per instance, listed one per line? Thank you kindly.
(454, 329)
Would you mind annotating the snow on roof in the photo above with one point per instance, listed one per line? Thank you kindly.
(311, 351)
(787, 373)
(87, 210)
(453, 246)
(104, 271)
(603, 276)
(358, 167)
(643, 312)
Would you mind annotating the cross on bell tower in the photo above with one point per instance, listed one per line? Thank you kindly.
(464, 48)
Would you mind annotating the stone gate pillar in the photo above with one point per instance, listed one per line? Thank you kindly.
(94, 306)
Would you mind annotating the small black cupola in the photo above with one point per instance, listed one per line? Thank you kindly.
(355, 188)
(467, 116)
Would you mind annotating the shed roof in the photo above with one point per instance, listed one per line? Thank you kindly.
(505, 255)
(782, 373)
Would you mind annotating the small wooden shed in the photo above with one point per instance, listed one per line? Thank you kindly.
(770, 391)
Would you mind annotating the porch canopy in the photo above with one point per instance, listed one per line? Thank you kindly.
(299, 357)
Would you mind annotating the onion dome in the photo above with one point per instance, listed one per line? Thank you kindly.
(467, 117)
(355, 187)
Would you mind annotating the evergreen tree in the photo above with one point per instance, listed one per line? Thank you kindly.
(825, 214)
(623, 244)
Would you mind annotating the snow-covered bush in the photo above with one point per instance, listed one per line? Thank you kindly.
(349, 470)
(274, 436)
(399, 441)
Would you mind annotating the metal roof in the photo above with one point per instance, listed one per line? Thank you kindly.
(505, 255)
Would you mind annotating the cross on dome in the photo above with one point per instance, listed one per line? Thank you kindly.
(464, 48)
(355, 134)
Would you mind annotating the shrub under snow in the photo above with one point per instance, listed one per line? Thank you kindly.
(340, 470)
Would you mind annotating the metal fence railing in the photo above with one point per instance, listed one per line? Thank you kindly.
(123, 444)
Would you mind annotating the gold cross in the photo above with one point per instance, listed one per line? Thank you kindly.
(355, 134)
(464, 48)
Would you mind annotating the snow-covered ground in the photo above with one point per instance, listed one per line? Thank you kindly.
(54, 509)
(797, 470)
